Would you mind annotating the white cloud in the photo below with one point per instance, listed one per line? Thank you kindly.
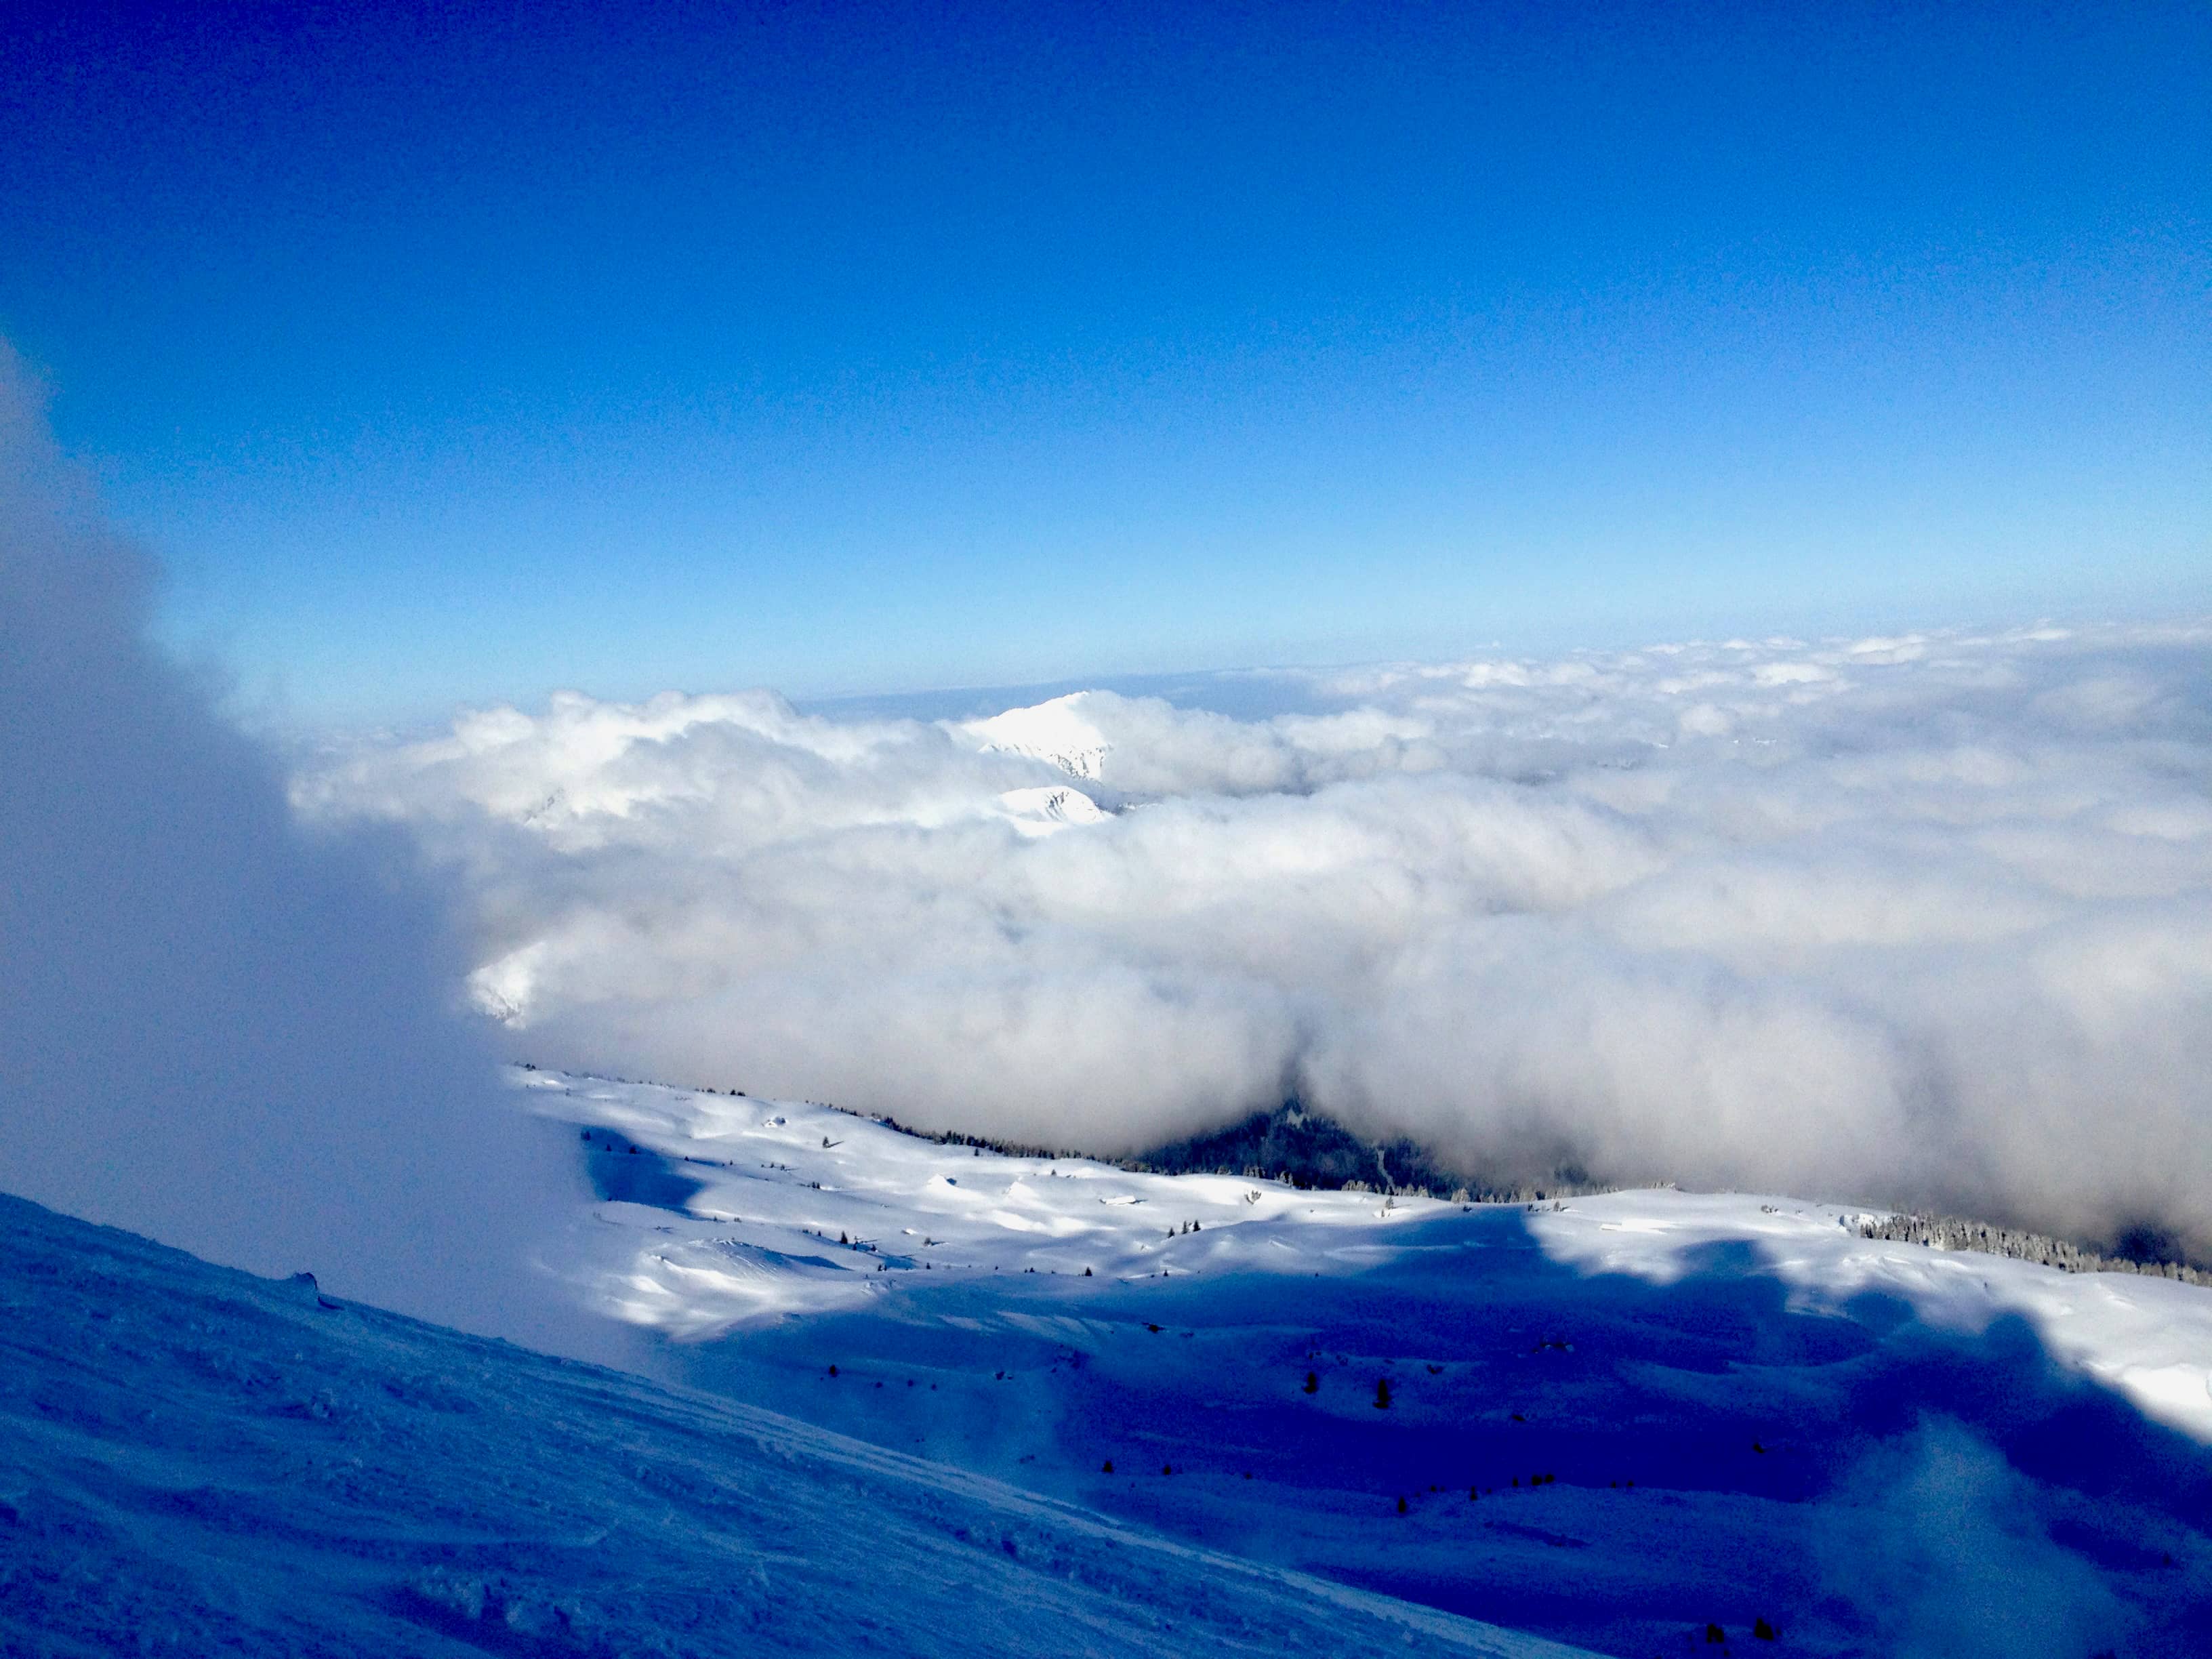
(1920, 918)
(217, 1028)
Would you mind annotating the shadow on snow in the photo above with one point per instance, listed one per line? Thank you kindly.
(1645, 1456)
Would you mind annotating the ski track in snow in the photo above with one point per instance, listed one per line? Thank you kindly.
(195, 1460)
(1745, 1359)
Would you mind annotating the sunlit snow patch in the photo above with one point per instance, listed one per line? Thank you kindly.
(800, 1208)
(2149, 1339)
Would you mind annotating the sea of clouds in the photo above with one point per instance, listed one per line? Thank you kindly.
(1924, 920)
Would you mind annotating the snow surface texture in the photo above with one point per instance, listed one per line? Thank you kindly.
(1928, 918)
(1877, 1448)
(195, 1461)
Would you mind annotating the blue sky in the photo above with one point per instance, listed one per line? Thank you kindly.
(844, 349)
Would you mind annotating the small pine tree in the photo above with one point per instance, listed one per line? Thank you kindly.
(1109, 1469)
(1402, 1504)
(1313, 1383)
(1381, 1393)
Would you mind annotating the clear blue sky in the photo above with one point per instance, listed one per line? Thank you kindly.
(868, 347)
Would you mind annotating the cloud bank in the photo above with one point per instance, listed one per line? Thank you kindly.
(218, 1028)
(1922, 919)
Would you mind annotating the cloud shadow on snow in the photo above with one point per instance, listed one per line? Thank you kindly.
(1855, 1475)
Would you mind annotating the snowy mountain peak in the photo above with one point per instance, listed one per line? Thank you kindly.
(1059, 732)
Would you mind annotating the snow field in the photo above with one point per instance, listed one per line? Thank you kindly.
(1673, 1408)
(761, 1168)
(193, 1461)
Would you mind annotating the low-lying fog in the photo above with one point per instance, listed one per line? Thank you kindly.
(1920, 918)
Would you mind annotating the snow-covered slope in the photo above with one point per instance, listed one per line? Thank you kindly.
(196, 1461)
(1612, 1420)
(1041, 810)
